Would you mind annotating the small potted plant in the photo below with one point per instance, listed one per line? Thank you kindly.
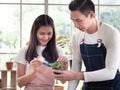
(57, 66)
(9, 64)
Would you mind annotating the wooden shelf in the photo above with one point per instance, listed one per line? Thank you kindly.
(5, 77)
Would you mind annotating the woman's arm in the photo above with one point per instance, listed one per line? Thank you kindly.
(22, 78)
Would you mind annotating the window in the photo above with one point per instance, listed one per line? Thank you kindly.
(18, 16)
(17, 19)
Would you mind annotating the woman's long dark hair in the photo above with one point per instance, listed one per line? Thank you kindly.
(50, 52)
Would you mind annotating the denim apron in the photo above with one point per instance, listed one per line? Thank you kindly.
(94, 59)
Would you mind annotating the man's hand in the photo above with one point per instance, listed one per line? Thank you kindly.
(64, 75)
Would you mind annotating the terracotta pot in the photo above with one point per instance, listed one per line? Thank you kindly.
(9, 65)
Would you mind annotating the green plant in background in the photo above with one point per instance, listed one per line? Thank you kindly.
(12, 46)
(10, 62)
(64, 42)
(11, 57)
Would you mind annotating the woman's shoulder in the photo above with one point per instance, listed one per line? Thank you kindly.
(23, 49)
(20, 58)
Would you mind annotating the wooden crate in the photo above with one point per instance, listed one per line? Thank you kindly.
(4, 79)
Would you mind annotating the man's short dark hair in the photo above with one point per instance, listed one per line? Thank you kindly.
(84, 6)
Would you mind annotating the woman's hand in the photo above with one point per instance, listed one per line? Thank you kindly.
(36, 62)
(64, 62)
(33, 65)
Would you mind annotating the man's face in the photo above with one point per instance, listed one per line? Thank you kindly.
(80, 21)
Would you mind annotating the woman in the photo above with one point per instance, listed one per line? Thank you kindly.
(41, 48)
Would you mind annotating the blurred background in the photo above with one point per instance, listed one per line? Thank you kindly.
(17, 16)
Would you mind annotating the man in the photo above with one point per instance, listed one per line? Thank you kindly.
(97, 44)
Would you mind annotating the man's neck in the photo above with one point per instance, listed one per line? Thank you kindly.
(94, 27)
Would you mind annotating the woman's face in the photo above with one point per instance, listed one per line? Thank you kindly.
(44, 35)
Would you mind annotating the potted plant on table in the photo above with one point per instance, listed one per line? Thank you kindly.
(9, 64)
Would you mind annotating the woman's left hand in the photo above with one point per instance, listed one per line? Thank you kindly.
(64, 62)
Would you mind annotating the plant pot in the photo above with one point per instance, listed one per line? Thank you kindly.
(9, 65)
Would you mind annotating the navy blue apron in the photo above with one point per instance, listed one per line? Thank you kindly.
(94, 59)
